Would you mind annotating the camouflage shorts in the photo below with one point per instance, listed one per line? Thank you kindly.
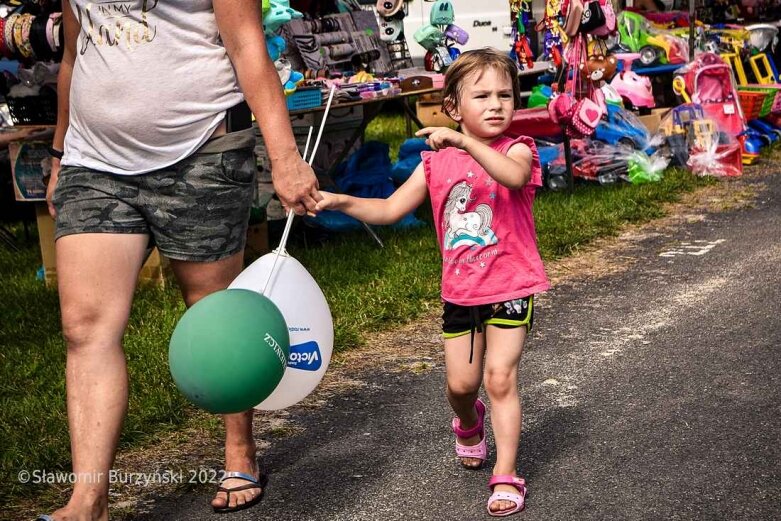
(194, 210)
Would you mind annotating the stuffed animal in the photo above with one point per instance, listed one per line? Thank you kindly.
(599, 67)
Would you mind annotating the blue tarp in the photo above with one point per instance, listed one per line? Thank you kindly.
(366, 173)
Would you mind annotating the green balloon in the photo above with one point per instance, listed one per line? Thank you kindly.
(229, 351)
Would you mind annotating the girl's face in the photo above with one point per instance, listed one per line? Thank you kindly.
(485, 106)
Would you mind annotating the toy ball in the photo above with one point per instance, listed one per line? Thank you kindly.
(229, 351)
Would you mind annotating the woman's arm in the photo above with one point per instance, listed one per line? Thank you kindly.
(70, 34)
(407, 198)
(239, 22)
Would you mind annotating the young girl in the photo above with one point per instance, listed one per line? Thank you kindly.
(482, 186)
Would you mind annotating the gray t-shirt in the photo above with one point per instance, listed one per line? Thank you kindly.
(151, 82)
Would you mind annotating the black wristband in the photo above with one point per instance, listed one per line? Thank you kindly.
(55, 153)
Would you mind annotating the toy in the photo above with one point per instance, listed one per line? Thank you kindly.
(653, 46)
(391, 29)
(599, 68)
(520, 14)
(276, 14)
(388, 8)
(440, 36)
(611, 96)
(540, 96)
(765, 129)
(622, 128)
(710, 83)
(442, 13)
(632, 87)
(279, 14)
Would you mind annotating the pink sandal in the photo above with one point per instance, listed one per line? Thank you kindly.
(479, 451)
(519, 499)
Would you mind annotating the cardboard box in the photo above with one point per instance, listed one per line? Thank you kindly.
(257, 242)
(652, 120)
(431, 115)
(152, 272)
(29, 160)
(46, 241)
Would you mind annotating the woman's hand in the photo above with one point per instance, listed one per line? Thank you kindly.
(442, 137)
(295, 184)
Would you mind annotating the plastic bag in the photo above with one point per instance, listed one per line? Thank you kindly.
(642, 168)
(717, 160)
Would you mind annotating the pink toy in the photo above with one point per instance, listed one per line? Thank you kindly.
(631, 86)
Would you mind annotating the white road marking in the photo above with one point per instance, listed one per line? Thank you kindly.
(686, 248)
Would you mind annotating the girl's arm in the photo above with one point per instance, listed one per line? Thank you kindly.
(409, 196)
(513, 170)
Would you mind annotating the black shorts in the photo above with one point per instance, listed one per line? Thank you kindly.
(462, 320)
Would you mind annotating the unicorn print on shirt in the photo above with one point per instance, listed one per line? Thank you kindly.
(464, 228)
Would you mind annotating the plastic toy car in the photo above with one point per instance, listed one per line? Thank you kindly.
(634, 88)
(751, 146)
(619, 129)
(636, 35)
(773, 134)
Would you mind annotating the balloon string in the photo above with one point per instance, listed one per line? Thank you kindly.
(291, 213)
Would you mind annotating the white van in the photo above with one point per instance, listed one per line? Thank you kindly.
(486, 21)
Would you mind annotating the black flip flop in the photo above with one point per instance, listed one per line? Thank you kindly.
(260, 483)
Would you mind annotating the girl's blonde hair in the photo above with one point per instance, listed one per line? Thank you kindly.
(477, 61)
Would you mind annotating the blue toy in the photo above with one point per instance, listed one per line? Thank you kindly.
(752, 146)
(275, 45)
(766, 129)
(278, 15)
(619, 129)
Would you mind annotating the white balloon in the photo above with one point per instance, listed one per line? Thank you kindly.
(308, 319)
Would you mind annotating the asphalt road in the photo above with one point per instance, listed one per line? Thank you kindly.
(648, 394)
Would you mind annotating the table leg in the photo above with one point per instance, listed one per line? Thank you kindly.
(411, 116)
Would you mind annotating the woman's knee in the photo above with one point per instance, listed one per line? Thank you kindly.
(89, 327)
(500, 383)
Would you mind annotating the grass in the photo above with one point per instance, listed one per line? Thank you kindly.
(368, 289)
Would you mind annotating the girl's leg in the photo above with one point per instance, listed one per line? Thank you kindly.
(463, 383)
(501, 383)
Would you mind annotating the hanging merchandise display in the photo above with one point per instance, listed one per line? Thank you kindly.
(554, 36)
(440, 36)
(578, 107)
(31, 34)
(276, 13)
(390, 18)
(28, 38)
(520, 14)
(337, 43)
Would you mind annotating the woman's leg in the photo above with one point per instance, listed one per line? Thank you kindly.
(463, 383)
(197, 280)
(97, 275)
(503, 354)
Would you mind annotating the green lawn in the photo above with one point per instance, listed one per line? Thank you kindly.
(367, 288)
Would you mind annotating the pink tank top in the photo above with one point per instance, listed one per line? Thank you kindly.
(485, 230)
